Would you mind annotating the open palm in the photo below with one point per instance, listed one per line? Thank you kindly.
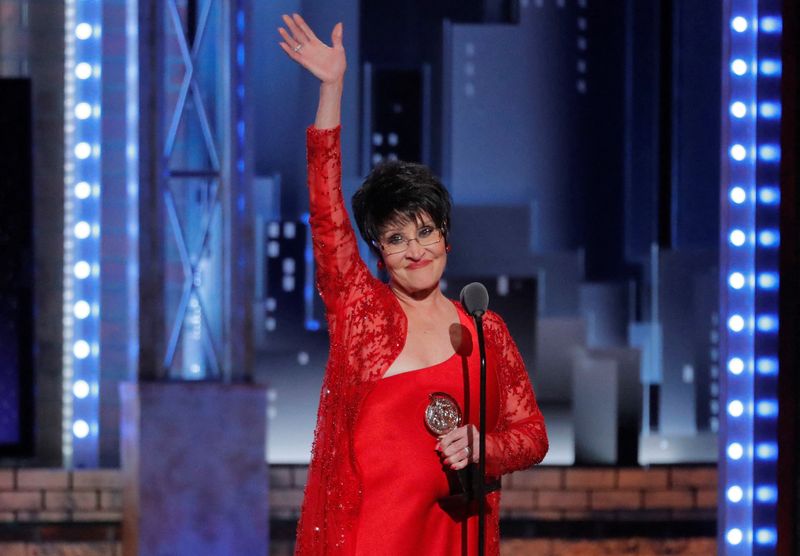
(327, 63)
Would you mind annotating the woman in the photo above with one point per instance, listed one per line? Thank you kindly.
(379, 480)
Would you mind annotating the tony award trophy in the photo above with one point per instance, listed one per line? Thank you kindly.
(442, 415)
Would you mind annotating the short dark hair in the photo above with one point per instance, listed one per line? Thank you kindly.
(397, 191)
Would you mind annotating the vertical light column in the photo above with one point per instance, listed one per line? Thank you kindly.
(132, 177)
(82, 113)
(749, 267)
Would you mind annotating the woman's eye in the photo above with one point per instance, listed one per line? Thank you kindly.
(396, 240)
(425, 232)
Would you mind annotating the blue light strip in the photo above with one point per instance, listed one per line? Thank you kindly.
(749, 276)
(132, 180)
(82, 167)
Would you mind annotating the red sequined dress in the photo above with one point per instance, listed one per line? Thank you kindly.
(344, 510)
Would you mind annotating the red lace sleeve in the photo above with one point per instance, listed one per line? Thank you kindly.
(520, 439)
(335, 246)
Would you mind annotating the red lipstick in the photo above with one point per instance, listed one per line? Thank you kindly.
(419, 264)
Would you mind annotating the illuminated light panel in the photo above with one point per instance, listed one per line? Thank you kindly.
(766, 536)
(769, 153)
(766, 494)
(736, 280)
(83, 70)
(767, 323)
(770, 68)
(83, 31)
(82, 309)
(734, 536)
(83, 110)
(82, 194)
(735, 451)
(767, 365)
(767, 409)
(738, 195)
(83, 229)
(735, 408)
(767, 451)
(736, 366)
(81, 429)
(739, 67)
(83, 190)
(769, 110)
(735, 494)
(83, 150)
(768, 280)
(737, 238)
(768, 238)
(770, 24)
(739, 24)
(82, 270)
(738, 110)
(748, 445)
(81, 389)
(82, 349)
(738, 152)
(769, 195)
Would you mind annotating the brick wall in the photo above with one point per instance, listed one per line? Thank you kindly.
(567, 493)
(555, 495)
(58, 496)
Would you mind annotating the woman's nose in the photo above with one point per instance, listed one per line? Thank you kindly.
(414, 250)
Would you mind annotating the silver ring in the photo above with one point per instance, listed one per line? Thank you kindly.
(468, 451)
(298, 47)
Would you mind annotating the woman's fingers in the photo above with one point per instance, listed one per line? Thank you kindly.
(297, 34)
(336, 35)
(459, 447)
(303, 26)
(290, 41)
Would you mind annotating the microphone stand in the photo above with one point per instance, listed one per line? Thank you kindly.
(481, 486)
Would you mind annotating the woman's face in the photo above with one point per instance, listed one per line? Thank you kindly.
(415, 268)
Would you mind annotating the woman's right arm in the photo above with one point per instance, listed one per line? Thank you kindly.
(335, 246)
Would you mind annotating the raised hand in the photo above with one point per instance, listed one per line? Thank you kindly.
(327, 63)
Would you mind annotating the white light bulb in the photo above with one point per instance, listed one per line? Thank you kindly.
(736, 366)
(737, 238)
(81, 349)
(738, 152)
(80, 428)
(736, 323)
(81, 389)
(739, 66)
(738, 195)
(82, 309)
(83, 190)
(83, 110)
(735, 494)
(82, 270)
(738, 109)
(735, 408)
(734, 536)
(739, 24)
(83, 150)
(83, 70)
(83, 31)
(735, 451)
(736, 280)
(82, 230)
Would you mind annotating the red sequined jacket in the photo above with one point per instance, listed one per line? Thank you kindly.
(367, 330)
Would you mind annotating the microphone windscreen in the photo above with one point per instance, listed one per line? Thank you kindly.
(475, 299)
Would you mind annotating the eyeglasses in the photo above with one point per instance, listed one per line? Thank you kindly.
(397, 243)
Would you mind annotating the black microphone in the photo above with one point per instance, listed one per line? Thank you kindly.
(475, 299)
